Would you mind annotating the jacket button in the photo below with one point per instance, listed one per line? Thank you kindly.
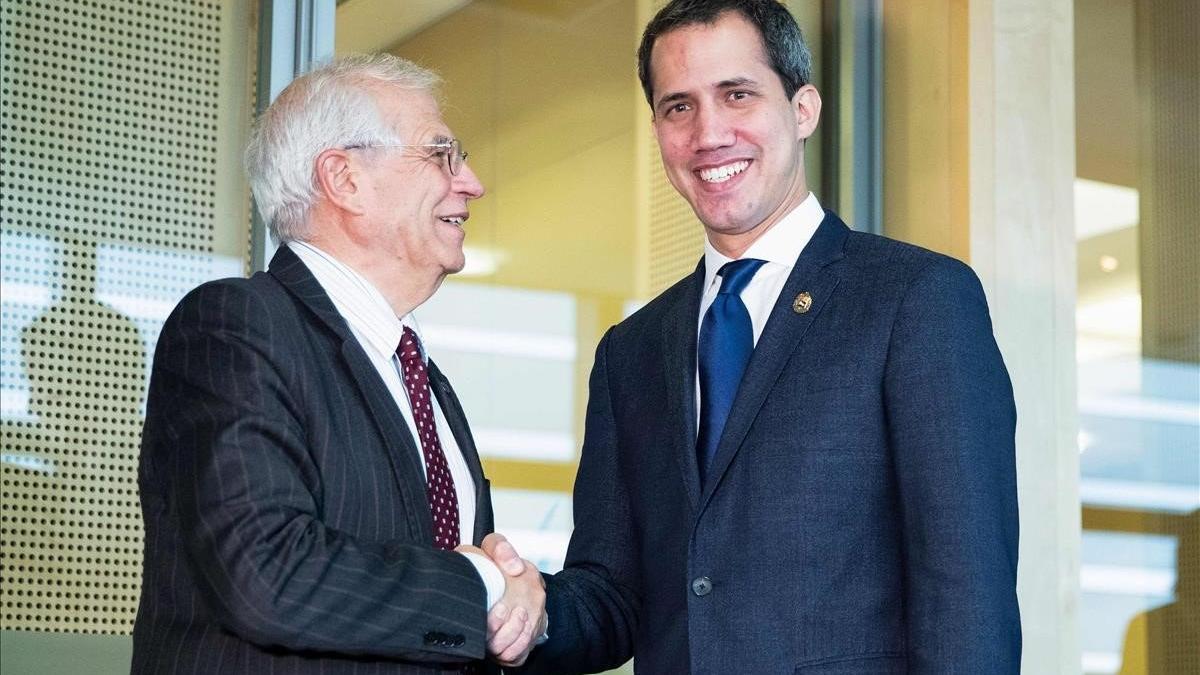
(458, 640)
(702, 586)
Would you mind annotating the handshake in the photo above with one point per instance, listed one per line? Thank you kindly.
(517, 621)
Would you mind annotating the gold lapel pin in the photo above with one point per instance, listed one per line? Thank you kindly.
(802, 303)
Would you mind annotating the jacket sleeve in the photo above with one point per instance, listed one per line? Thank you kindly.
(592, 605)
(227, 447)
(951, 425)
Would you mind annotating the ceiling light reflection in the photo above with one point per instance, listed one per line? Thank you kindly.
(1103, 207)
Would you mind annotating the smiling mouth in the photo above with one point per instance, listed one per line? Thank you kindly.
(457, 221)
(720, 174)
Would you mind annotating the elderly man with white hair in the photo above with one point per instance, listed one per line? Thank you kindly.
(310, 488)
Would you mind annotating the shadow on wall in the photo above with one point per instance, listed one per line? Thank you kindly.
(1166, 640)
(70, 559)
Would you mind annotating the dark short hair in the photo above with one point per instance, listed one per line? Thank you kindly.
(782, 40)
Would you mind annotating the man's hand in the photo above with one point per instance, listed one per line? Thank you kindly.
(496, 547)
(517, 620)
(519, 617)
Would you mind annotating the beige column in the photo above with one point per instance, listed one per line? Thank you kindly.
(925, 154)
(1022, 163)
(979, 158)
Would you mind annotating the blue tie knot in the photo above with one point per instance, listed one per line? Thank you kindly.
(736, 274)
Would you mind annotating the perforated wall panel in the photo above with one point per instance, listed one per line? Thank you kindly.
(1168, 71)
(113, 206)
(676, 235)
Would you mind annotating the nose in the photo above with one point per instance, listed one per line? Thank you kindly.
(467, 183)
(711, 130)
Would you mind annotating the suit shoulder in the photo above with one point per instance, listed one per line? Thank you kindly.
(229, 300)
(904, 263)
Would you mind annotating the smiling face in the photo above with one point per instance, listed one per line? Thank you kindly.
(414, 209)
(732, 142)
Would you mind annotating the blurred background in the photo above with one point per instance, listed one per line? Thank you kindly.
(1052, 145)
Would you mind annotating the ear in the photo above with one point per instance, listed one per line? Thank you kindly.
(339, 180)
(806, 104)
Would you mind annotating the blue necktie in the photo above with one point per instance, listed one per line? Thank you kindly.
(726, 342)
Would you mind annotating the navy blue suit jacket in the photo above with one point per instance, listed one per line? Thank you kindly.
(861, 513)
(287, 527)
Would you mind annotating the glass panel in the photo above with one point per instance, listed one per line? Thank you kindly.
(549, 110)
(122, 190)
(1137, 330)
(486, 335)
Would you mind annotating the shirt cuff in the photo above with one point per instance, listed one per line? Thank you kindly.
(493, 578)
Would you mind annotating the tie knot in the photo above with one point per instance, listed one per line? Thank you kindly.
(410, 345)
(736, 274)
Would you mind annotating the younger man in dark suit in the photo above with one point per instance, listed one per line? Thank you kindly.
(308, 480)
(800, 457)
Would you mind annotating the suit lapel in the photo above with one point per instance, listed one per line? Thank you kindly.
(402, 448)
(781, 336)
(679, 356)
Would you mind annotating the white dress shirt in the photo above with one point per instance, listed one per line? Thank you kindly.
(779, 247)
(378, 331)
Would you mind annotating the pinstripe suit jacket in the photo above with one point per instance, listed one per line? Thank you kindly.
(287, 528)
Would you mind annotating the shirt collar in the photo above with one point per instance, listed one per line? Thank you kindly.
(359, 302)
(780, 245)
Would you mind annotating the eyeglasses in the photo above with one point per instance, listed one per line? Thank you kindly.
(452, 150)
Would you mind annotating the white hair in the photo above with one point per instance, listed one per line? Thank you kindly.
(332, 106)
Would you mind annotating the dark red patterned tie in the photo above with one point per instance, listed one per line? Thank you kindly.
(443, 500)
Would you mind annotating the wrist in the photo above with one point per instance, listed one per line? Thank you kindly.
(493, 579)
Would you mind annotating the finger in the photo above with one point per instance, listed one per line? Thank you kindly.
(522, 645)
(503, 638)
(516, 663)
(519, 649)
(497, 617)
(505, 556)
(490, 541)
(512, 629)
(506, 637)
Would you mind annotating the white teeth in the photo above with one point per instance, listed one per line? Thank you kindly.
(456, 220)
(721, 174)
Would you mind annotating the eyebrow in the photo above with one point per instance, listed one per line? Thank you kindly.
(671, 98)
(737, 82)
(723, 84)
